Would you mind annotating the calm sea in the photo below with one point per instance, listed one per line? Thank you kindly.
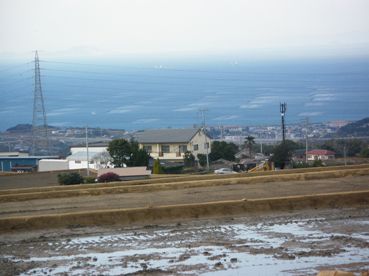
(157, 95)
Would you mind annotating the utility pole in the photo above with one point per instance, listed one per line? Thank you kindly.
(283, 109)
(202, 111)
(344, 152)
(306, 137)
(87, 155)
(261, 147)
(40, 138)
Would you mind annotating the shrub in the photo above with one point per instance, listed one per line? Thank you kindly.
(173, 170)
(157, 169)
(89, 179)
(189, 159)
(108, 177)
(70, 178)
(365, 153)
(318, 163)
(202, 159)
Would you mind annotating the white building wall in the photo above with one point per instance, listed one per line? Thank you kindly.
(46, 165)
(312, 157)
(200, 139)
(74, 165)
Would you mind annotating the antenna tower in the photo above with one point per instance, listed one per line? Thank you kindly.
(283, 109)
(40, 138)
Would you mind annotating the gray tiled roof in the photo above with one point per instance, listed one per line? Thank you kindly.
(165, 135)
(82, 156)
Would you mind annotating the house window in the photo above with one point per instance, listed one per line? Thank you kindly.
(206, 145)
(148, 149)
(77, 161)
(196, 147)
(182, 148)
(165, 148)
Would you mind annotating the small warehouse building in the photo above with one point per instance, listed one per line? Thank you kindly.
(46, 165)
(21, 164)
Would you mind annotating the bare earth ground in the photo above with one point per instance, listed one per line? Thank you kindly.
(290, 243)
(298, 243)
(182, 196)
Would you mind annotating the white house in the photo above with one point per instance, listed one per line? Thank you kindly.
(318, 154)
(171, 144)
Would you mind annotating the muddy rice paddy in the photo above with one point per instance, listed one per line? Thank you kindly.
(299, 243)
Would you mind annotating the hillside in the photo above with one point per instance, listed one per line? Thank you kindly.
(356, 129)
(20, 128)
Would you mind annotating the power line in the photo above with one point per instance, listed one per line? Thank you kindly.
(12, 67)
(224, 86)
(142, 68)
(141, 75)
(10, 83)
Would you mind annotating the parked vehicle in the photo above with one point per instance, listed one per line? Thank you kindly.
(224, 171)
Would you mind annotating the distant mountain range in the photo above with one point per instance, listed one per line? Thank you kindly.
(21, 128)
(356, 129)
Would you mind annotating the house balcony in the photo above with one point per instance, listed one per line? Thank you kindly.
(167, 155)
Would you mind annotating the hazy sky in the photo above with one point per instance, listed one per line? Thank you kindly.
(185, 27)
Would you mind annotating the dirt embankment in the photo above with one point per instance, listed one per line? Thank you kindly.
(40, 182)
(166, 199)
(187, 211)
(180, 183)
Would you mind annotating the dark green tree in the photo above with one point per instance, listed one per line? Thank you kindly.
(70, 178)
(120, 151)
(365, 153)
(202, 159)
(223, 150)
(189, 159)
(127, 152)
(282, 153)
(249, 142)
(353, 147)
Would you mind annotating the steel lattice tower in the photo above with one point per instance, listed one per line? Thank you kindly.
(40, 137)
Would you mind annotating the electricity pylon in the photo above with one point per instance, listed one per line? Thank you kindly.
(40, 137)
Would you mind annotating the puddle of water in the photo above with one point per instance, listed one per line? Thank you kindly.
(171, 255)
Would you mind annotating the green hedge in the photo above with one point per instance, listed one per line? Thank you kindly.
(70, 178)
